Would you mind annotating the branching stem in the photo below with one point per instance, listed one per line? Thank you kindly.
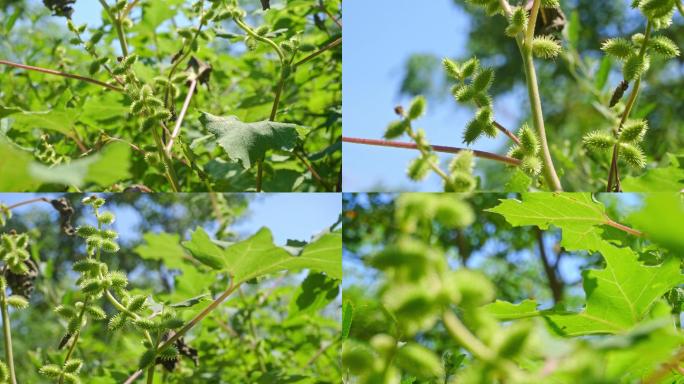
(7, 332)
(181, 116)
(60, 73)
(437, 148)
(118, 25)
(614, 172)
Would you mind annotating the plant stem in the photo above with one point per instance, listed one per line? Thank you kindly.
(555, 284)
(658, 375)
(7, 331)
(436, 148)
(335, 43)
(150, 374)
(426, 155)
(313, 172)
(614, 172)
(170, 173)
(116, 22)
(184, 110)
(27, 202)
(525, 47)
(59, 73)
(624, 228)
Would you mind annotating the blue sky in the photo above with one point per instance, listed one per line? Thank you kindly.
(288, 215)
(379, 36)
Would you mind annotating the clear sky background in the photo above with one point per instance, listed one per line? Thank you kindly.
(288, 215)
(379, 36)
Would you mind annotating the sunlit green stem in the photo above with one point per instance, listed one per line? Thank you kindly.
(7, 332)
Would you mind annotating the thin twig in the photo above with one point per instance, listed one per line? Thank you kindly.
(184, 110)
(116, 22)
(333, 44)
(30, 201)
(661, 372)
(330, 15)
(312, 170)
(555, 284)
(7, 331)
(59, 73)
(436, 148)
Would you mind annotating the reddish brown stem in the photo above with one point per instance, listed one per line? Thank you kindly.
(436, 148)
(59, 73)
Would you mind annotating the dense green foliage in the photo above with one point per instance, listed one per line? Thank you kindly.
(614, 68)
(179, 299)
(454, 288)
(126, 108)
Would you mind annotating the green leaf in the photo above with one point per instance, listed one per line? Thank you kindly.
(577, 214)
(505, 311)
(619, 296)
(656, 180)
(258, 256)
(315, 293)
(668, 232)
(347, 318)
(248, 142)
(603, 72)
(204, 250)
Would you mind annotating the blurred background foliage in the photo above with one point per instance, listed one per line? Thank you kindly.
(575, 88)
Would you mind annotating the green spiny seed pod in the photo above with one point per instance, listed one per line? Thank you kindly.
(464, 93)
(654, 9)
(96, 312)
(545, 47)
(417, 108)
(110, 246)
(65, 312)
(619, 48)
(470, 67)
(550, 3)
(664, 46)
(146, 92)
(461, 182)
(169, 354)
(106, 217)
(472, 131)
(396, 129)
(154, 102)
(529, 143)
(145, 324)
(484, 115)
(635, 66)
(452, 69)
(161, 81)
(117, 321)
(462, 162)
(4, 372)
(638, 40)
(632, 155)
(86, 265)
(18, 302)
(598, 140)
(118, 279)
(172, 323)
(162, 115)
(94, 241)
(210, 14)
(137, 107)
(91, 286)
(109, 234)
(531, 165)
(483, 100)
(137, 303)
(483, 80)
(263, 30)
(86, 231)
(517, 23)
(74, 325)
(418, 361)
(73, 365)
(51, 370)
(418, 169)
(633, 131)
(251, 43)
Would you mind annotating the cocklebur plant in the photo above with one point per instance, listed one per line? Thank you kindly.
(165, 144)
(96, 282)
(635, 54)
(15, 257)
(537, 28)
